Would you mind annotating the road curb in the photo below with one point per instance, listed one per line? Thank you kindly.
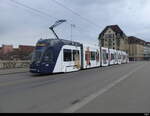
(13, 73)
(9, 73)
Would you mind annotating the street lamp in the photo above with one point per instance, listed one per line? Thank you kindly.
(72, 26)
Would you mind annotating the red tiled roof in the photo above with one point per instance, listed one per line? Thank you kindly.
(147, 42)
(115, 28)
(133, 39)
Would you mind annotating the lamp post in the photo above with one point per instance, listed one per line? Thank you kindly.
(72, 26)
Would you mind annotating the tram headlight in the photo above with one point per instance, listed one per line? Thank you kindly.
(47, 65)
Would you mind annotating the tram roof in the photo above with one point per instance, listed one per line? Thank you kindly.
(59, 41)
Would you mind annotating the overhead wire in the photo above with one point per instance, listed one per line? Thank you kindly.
(33, 9)
(75, 13)
(46, 14)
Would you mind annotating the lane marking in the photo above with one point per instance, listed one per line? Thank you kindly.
(90, 98)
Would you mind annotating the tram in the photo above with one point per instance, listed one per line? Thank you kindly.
(61, 56)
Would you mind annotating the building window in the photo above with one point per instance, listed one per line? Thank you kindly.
(67, 55)
(110, 36)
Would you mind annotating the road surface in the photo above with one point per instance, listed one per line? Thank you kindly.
(115, 89)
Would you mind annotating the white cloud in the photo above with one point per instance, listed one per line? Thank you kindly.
(18, 22)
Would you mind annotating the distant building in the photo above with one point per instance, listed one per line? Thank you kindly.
(114, 38)
(6, 49)
(7, 52)
(147, 51)
(136, 48)
(25, 51)
(0, 53)
(0, 50)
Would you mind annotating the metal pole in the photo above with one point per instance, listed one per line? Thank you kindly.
(71, 32)
(72, 25)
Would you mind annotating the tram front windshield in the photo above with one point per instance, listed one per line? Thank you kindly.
(39, 51)
(43, 54)
(37, 55)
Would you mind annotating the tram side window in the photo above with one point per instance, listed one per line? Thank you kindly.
(87, 55)
(107, 56)
(112, 57)
(104, 57)
(93, 55)
(97, 56)
(67, 55)
(76, 55)
(119, 57)
(124, 57)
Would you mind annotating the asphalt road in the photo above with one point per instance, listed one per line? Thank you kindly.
(115, 89)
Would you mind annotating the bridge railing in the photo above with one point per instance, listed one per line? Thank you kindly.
(14, 64)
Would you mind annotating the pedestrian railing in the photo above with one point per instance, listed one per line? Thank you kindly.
(14, 64)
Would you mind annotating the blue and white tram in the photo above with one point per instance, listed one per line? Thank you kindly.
(126, 59)
(123, 57)
(91, 56)
(58, 56)
(119, 54)
(116, 57)
(112, 56)
(104, 56)
(55, 56)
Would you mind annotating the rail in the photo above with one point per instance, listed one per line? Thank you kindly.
(14, 64)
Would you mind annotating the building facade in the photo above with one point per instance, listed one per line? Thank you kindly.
(136, 48)
(147, 51)
(24, 52)
(114, 38)
(5, 49)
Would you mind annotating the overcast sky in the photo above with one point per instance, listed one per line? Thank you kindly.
(20, 25)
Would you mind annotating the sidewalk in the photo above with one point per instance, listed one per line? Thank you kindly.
(13, 71)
